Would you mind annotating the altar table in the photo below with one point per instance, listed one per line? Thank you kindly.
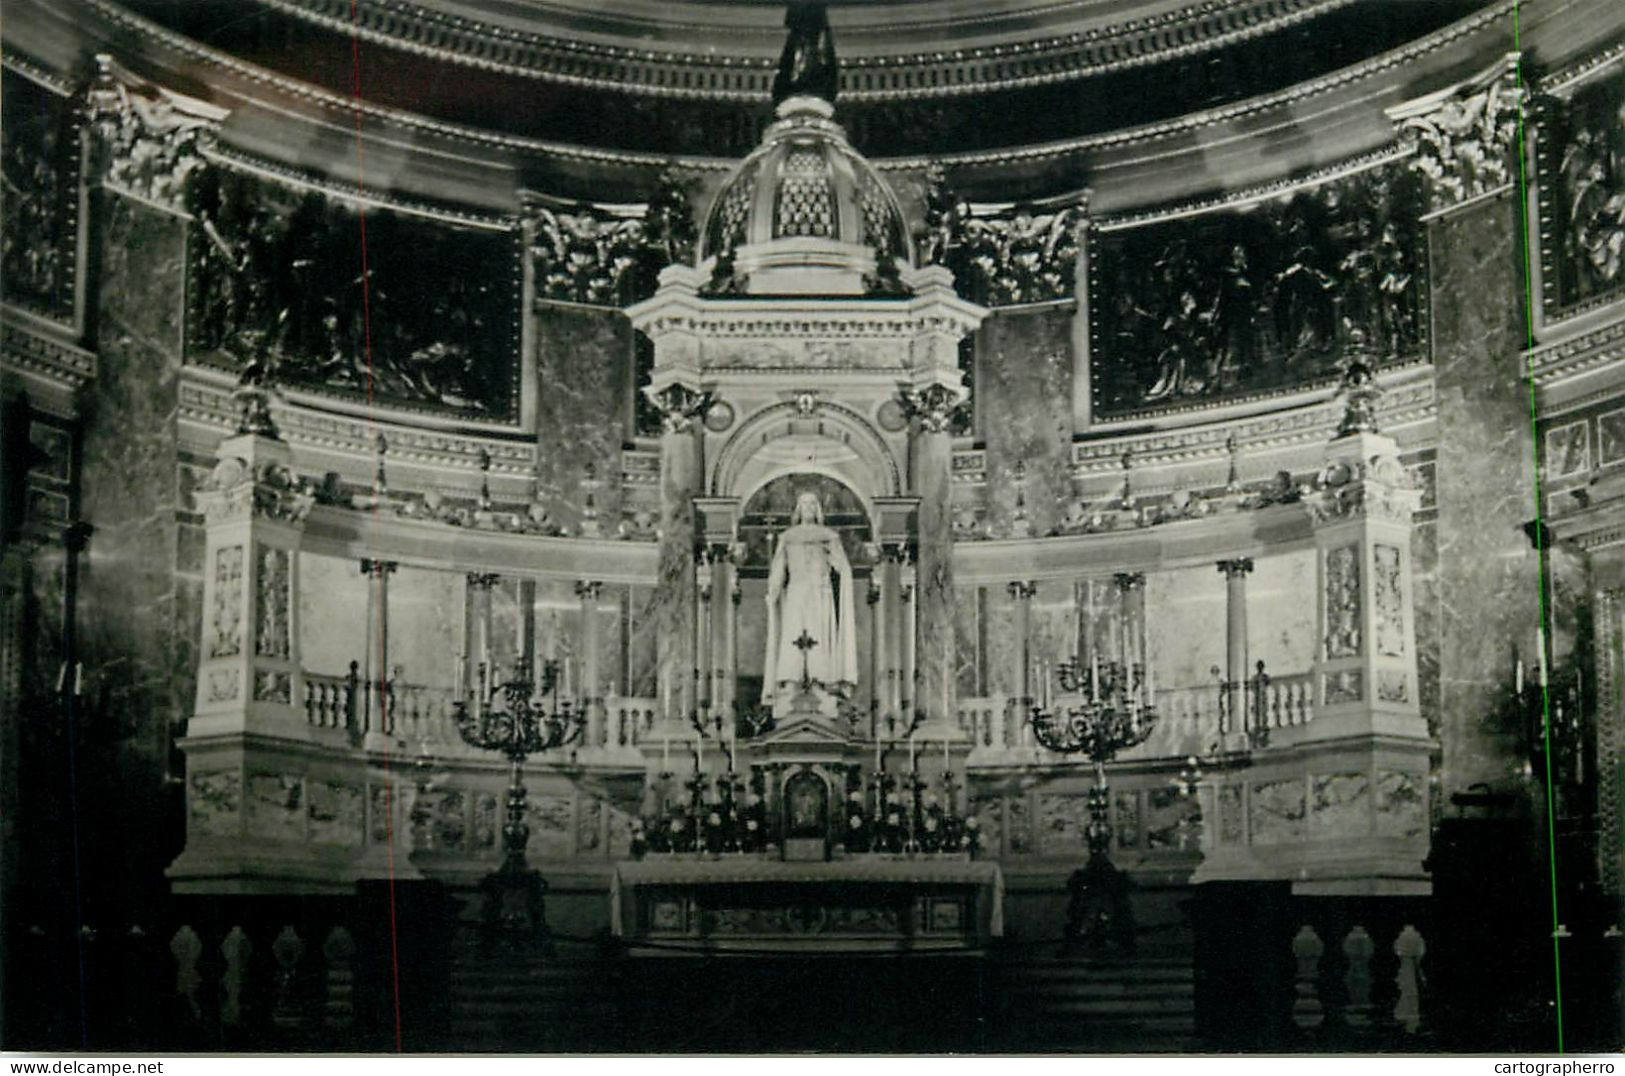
(863, 903)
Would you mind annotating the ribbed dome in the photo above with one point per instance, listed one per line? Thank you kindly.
(805, 186)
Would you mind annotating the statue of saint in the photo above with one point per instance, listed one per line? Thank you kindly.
(810, 625)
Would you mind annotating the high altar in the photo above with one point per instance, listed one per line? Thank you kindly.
(808, 710)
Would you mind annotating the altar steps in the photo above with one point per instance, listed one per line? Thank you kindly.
(1129, 1005)
(503, 1001)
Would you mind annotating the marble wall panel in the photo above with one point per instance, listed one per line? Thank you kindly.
(989, 813)
(1488, 574)
(1281, 612)
(1339, 806)
(335, 810)
(214, 803)
(552, 826)
(1024, 412)
(1186, 625)
(448, 819)
(332, 613)
(620, 830)
(486, 829)
(274, 806)
(1399, 803)
(1003, 674)
(967, 645)
(1126, 819)
(1277, 809)
(1232, 820)
(1173, 820)
(583, 366)
(642, 651)
(589, 819)
(425, 625)
(1018, 827)
(1061, 822)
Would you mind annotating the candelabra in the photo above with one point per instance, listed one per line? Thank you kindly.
(509, 718)
(1114, 712)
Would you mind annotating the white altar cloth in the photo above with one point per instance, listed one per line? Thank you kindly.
(883, 870)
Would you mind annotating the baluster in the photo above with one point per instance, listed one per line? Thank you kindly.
(1410, 949)
(1307, 949)
(186, 947)
(1357, 950)
(339, 1002)
(287, 950)
(236, 950)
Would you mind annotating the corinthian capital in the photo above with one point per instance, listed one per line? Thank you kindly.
(148, 139)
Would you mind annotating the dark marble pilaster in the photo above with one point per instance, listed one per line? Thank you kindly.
(680, 479)
(1488, 575)
(934, 664)
(133, 611)
(1024, 406)
(583, 363)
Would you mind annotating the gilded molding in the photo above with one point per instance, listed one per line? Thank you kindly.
(26, 350)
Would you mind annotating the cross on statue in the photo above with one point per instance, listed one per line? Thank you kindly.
(804, 643)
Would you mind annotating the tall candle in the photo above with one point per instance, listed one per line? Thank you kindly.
(457, 674)
(945, 763)
(911, 752)
(1540, 652)
(699, 754)
(665, 754)
(1517, 676)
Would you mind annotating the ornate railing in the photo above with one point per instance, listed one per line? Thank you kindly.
(1190, 719)
(420, 714)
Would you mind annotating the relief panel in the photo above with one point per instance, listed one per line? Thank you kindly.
(273, 270)
(1269, 297)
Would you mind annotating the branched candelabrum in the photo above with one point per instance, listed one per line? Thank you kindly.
(513, 718)
(1113, 714)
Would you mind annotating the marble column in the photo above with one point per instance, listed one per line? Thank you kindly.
(704, 633)
(877, 650)
(591, 689)
(479, 622)
(377, 714)
(932, 458)
(891, 633)
(681, 480)
(730, 663)
(908, 677)
(1234, 717)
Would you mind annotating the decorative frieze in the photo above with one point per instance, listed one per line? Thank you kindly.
(1342, 576)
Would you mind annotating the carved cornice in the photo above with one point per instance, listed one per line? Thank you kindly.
(1551, 365)
(553, 57)
(1463, 139)
(1408, 397)
(211, 407)
(1244, 196)
(255, 164)
(29, 351)
(1229, 114)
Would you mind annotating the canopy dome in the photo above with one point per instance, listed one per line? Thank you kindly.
(806, 200)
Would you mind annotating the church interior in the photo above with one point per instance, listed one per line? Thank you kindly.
(1081, 526)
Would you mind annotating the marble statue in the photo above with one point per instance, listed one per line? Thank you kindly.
(811, 631)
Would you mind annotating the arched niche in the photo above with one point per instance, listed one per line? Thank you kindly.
(766, 512)
(831, 441)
